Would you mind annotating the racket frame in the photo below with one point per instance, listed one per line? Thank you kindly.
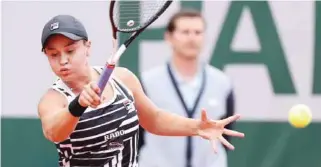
(111, 63)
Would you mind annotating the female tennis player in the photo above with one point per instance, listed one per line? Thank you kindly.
(106, 133)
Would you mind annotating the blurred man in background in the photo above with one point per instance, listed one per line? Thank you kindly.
(185, 84)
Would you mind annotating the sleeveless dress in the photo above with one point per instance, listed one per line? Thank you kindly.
(104, 137)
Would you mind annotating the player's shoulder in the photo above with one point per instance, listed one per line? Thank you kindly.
(51, 94)
(50, 99)
(123, 73)
(127, 78)
(56, 90)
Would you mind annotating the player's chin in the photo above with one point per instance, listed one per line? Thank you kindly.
(65, 76)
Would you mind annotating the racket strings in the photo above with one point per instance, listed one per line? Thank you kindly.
(133, 15)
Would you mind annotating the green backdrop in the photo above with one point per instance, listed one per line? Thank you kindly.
(267, 144)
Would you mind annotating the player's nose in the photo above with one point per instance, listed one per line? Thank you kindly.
(63, 59)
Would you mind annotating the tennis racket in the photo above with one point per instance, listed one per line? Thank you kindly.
(130, 17)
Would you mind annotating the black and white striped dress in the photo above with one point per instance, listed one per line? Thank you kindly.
(106, 136)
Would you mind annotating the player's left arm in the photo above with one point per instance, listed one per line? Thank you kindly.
(154, 119)
(163, 123)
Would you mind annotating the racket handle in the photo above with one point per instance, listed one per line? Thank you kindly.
(110, 68)
(105, 77)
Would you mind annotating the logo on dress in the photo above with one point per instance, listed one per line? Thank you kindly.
(114, 135)
(115, 145)
(129, 105)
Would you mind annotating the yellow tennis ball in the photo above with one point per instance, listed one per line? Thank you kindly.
(300, 116)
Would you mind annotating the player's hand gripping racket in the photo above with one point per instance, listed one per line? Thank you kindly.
(130, 17)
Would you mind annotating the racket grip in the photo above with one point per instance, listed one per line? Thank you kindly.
(105, 77)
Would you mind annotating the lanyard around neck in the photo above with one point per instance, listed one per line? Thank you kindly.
(189, 112)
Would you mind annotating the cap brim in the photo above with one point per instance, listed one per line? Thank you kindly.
(66, 34)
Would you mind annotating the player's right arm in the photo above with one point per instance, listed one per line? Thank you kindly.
(58, 118)
(57, 122)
